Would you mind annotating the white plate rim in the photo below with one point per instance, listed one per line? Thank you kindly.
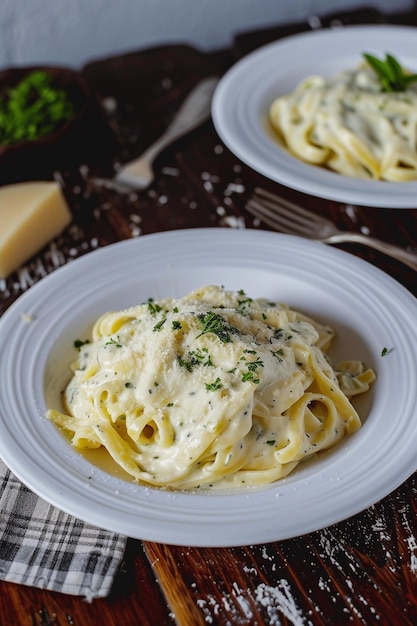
(244, 93)
(38, 456)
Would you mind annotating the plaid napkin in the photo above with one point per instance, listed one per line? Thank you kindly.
(43, 547)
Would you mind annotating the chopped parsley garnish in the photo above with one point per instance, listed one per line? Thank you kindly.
(216, 324)
(159, 325)
(153, 307)
(244, 304)
(113, 342)
(278, 354)
(250, 374)
(79, 343)
(249, 377)
(193, 358)
(279, 334)
(214, 386)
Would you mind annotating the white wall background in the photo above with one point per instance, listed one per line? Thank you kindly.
(72, 32)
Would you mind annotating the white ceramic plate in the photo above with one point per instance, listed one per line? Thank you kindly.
(244, 94)
(368, 309)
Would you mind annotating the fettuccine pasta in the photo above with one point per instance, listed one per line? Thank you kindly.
(350, 125)
(212, 389)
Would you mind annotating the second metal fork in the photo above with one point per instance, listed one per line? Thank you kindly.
(290, 218)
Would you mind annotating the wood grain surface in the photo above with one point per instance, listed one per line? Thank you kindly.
(360, 571)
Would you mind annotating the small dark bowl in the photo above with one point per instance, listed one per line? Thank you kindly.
(75, 142)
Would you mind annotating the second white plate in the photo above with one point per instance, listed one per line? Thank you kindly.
(244, 94)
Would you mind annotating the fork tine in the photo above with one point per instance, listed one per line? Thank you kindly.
(285, 216)
(271, 214)
(283, 204)
(258, 211)
(279, 214)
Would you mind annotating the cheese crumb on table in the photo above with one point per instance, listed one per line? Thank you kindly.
(31, 214)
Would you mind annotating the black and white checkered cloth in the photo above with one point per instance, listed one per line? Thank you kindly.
(43, 547)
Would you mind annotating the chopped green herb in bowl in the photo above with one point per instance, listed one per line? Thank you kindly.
(49, 118)
(33, 108)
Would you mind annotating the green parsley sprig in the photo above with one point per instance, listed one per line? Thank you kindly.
(390, 73)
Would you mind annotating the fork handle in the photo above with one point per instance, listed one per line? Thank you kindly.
(408, 258)
(194, 111)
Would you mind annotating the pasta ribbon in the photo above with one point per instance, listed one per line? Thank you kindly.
(215, 389)
(350, 125)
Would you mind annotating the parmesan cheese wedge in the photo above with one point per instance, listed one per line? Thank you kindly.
(31, 214)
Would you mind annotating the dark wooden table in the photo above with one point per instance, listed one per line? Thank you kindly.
(360, 571)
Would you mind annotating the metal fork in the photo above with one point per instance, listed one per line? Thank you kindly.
(290, 218)
(139, 174)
